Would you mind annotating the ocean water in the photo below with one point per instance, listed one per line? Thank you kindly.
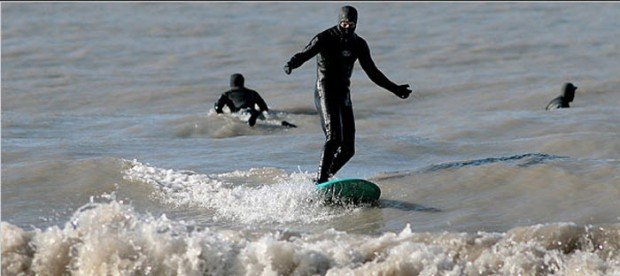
(114, 162)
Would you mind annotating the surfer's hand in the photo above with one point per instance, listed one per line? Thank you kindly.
(287, 69)
(403, 91)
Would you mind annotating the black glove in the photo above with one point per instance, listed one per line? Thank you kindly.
(287, 69)
(403, 91)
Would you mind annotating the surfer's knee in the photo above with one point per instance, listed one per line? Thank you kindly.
(333, 138)
(347, 151)
(331, 143)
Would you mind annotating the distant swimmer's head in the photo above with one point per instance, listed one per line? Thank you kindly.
(236, 80)
(569, 91)
(347, 20)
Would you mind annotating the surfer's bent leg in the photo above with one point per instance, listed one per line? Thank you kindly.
(347, 147)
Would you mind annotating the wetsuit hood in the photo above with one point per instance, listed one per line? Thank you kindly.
(236, 81)
(569, 92)
(347, 13)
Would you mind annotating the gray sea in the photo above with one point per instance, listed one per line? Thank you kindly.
(115, 163)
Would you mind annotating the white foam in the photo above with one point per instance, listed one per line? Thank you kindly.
(109, 237)
(285, 199)
(103, 239)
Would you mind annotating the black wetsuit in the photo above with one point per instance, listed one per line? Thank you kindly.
(563, 101)
(337, 50)
(239, 98)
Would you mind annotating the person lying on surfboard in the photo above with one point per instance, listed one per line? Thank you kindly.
(241, 99)
(337, 49)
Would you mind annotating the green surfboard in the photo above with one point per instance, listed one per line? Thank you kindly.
(350, 190)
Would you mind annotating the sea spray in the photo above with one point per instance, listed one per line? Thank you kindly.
(109, 237)
(283, 199)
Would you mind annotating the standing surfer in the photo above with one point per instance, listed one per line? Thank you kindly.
(337, 49)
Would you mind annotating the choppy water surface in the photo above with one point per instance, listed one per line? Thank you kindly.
(113, 160)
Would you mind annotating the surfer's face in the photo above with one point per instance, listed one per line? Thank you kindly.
(347, 20)
(347, 24)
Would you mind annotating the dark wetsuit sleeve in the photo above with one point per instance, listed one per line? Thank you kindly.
(260, 102)
(223, 101)
(313, 48)
(371, 69)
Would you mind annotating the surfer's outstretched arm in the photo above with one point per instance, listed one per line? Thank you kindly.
(377, 76)
(313, 48)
